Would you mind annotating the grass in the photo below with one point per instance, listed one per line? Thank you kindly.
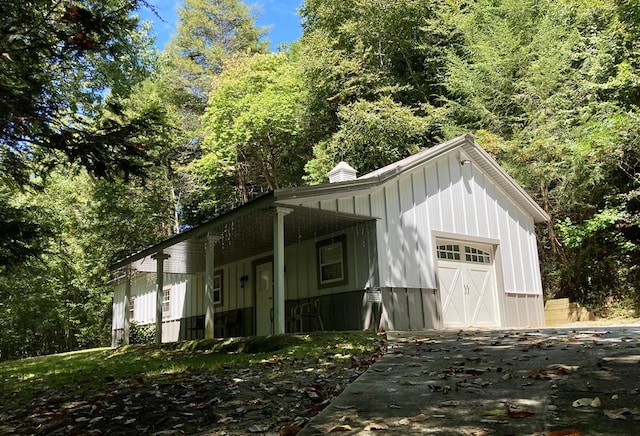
(90, 372)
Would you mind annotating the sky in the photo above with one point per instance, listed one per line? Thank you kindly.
(278, 15)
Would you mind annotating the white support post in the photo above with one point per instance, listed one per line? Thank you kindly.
(159, 257)
(127, 306)
(209, 319)
(278, 270)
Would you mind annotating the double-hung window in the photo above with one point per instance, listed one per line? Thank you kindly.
(166, 303)
(332, 265)
(217, 287)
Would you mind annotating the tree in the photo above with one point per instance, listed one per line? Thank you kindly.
(208, 33)
(362, 59)
(371, 135)
(57, 67)
(58, 298)
(254, 126)
(553, 87)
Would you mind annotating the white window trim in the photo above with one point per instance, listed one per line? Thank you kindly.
(132, 308)
(166, 303)
(339, 241)
(219, 289)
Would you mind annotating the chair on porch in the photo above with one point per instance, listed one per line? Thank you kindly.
(228, 323)
(308, 310)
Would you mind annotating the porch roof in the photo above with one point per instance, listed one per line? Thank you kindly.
(241, 233)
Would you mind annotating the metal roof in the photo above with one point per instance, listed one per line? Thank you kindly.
(248, 229)
(375, 178)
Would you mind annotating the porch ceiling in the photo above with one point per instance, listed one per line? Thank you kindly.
(249, 235)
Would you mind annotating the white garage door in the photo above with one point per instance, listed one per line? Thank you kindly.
(467, 284)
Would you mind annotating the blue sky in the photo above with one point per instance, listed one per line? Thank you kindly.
(279, 15)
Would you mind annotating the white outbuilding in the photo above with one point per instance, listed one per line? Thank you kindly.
(444, 238)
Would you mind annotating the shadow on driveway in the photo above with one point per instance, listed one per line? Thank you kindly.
(553, 381)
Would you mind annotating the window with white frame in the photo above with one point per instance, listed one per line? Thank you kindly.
(476, 255)
(331, 257)
(166, 303)
(449, 251)
(132, 308)
(217, 287)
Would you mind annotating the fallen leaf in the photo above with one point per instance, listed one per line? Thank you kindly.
(596, 402)
(512, 412)
(374, 426)
(450, 403)
(478, 432)
(258, 428)
(519, 414)
(563, 433)
(417, 418)
(614, 415)
(495, 412)
(289, 430)
(580, 402)
(335, 429)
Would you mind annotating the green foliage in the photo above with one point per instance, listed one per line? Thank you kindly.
(142, 334)
(554, 84)
(58, 298)
(374, 61)
(253, 127)
(57, 66)
(372, 135)
(208, 33)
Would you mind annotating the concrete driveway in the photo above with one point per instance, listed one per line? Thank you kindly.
(552, 381)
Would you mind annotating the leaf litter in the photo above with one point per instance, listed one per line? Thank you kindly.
(278, 394)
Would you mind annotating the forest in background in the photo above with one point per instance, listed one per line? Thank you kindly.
(108, 145)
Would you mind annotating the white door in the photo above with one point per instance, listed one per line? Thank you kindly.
(264, 299)
(467, 285)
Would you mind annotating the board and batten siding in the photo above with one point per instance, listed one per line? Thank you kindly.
(301, 282)
(444, 196)
(301, 276)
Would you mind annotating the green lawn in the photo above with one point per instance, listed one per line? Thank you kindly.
(91, 372)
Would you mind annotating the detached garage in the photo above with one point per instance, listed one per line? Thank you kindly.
(444, 238)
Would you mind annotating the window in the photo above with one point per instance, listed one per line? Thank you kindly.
(332, 268)
(217, 287)
(461, 252)
(132, 310)
(449, 252)
(166, 303)
(477, 256)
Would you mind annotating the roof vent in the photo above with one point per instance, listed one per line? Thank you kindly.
(342, 173)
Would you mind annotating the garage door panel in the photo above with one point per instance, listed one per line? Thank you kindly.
(451, 289)
(467, 286)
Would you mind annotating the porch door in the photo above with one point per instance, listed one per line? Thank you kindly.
(468, 290)
(264, 299)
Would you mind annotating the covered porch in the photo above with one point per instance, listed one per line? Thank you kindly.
(257, 269)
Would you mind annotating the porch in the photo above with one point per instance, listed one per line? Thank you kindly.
(254, 270)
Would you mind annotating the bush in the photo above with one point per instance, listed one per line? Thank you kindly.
(142, 334)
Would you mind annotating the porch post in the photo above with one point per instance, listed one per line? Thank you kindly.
(209, 318)
(159, 257)
(127, 305)
(278, 270)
